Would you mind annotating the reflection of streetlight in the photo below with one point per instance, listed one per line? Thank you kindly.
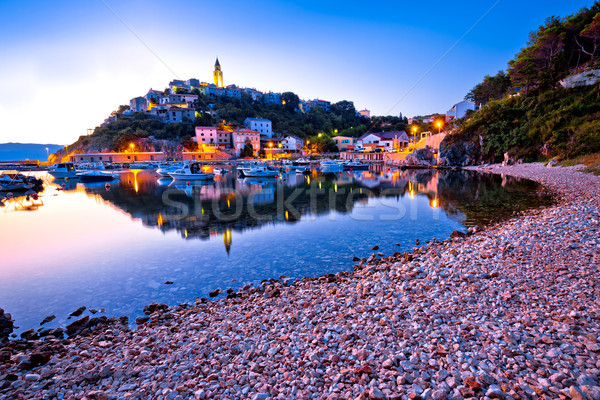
(47, 154)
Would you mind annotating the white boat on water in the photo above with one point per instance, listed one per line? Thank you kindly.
(331, 167)
(165, 170)
(63, 170)
(301, 161)
(261, 172)
(191, 172)
(97, 176)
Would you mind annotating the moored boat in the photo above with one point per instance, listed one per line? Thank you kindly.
(331, 167)
(15, 182)
(63, 170)
(301, 162)
(261, 172)
(355, 166)
(192, 171)
(165, 170)
(96, 176)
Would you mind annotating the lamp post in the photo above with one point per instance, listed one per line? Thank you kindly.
(439, 125)
(414, 129)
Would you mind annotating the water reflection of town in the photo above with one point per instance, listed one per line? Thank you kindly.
(231, 203)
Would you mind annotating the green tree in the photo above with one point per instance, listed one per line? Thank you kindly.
(291, 100)
(592, 34)
(247, 151)
(122, 109)
(492, 88)
(204, 119)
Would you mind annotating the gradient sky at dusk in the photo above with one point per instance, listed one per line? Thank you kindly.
(66, 65)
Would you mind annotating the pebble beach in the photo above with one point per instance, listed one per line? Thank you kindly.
(508, 312)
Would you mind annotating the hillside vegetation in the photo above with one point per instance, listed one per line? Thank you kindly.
(561, 122)
(526, 112)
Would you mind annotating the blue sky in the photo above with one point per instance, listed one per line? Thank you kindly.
(66, 65)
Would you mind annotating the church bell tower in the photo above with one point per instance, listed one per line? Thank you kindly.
(218, 74)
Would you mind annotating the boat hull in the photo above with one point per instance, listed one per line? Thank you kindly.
(256, 175)
(96, 178)
(192, 177)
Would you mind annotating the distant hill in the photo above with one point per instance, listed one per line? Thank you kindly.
(27, 151)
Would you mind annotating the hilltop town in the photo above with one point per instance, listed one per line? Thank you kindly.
(191, 119)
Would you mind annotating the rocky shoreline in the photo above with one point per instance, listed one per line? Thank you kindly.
(509, 312)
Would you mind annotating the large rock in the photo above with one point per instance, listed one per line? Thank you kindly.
(77, 326)
(152, 308)
(6, 325)
(508, 160)
(458, 150)
(420, 158)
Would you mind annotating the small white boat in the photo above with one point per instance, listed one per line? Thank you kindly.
(63, 170)
(191, 172)
(331, 167)
(261, 172)
(220, 171)
(243, 168)
(301, 161)
(165, 170)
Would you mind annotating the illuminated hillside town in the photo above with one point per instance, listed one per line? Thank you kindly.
(178, 104)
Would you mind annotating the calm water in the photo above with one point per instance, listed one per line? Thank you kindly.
(114, 248)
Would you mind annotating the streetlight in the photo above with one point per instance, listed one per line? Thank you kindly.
(320, 134)
(439, 125)
(131, 145)
(414, 129)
